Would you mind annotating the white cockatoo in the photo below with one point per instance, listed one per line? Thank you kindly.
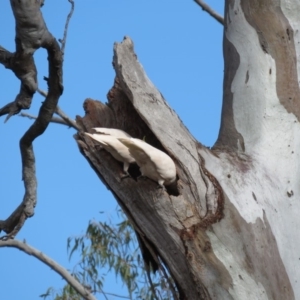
(153, 163)
(108, 139)
(118, 133)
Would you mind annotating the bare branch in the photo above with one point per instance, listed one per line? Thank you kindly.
(13, 223)
(52, 264)
(32, 33)
(23, 66)
(53, 119)
(210, 11)
(63, 41)
(65, 119)
(31, 30)
(41, 92)
(151, 285)
(115, 295)
(5, 57)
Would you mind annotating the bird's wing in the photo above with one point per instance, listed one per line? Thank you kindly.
(137, 149)
(97, 138)
(112, 131)
(119, 150)
(146, 152)
(155, 160)
(114, 146)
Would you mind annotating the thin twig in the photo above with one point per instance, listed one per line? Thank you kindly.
(65, 120)
(52, 264)
(41, 92)
(159, 264)
(171, 286)
(115, 295)
(151, 285)
(68, 120)
(63, 41)
(104, 294)
(210, 11)
(53, 120)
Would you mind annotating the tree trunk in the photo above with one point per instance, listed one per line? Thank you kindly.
(229, 228)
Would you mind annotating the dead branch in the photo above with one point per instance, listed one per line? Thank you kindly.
(137, 107)
(64, 118)
(23, 66)
(32, 33)
(210, 11)
(115, 295)
(85, 293)
(63, 41)
(42, 93)
(5, 57)
(13, 223)
(55, 120)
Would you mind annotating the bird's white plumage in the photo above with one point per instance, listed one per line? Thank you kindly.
(111, 144)
(118, 133)
(153, 163)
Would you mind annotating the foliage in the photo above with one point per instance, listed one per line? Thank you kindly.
(111, 247)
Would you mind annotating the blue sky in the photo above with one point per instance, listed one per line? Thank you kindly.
(180, 48)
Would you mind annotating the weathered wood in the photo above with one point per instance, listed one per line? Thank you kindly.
(31, 33)
(169, 220)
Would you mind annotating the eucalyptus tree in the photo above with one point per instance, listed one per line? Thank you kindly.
(228, 229)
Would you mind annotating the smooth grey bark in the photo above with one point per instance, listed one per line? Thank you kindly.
(81, 290)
